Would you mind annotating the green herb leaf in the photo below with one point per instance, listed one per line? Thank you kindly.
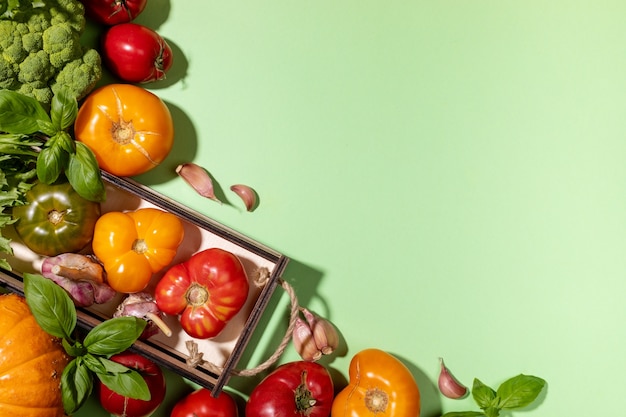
(519, 391)
(63, 109)
(129, 384)
(83, 173)
(75, 349)
(51, 305)
(50, 163)
(483, 395)
(111, 367)
(23, 114)
(94, 364)
(492, 411)
(464, 414)
(114, 335)
(76, 385)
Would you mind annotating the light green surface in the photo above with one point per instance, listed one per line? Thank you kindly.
(449, 177)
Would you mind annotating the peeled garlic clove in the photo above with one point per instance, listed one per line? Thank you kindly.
(449, 385)
(198, 178)
(247, 194)
(324, 333)
(303, 341)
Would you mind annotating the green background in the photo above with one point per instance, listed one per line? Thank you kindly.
(448, 178)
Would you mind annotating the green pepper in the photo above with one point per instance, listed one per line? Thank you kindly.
(55, 219)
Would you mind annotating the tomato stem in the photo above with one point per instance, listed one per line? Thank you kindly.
(303, 396)
(196, 295)
(140, 246)
(376, 400)
(55, 217)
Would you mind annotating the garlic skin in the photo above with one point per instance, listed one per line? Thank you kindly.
(247, 195)
(143, 306)
(198, 178)
(81, 276)
(314, 336)
(449, 386)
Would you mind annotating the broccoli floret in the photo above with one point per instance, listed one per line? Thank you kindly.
(80, 75)
(61, 44)
(40, 49)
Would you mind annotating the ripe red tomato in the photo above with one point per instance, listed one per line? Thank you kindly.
(206, 291)
(136, 53)
(113, 12)
(121, 406)
(201, 403)
(295, 389)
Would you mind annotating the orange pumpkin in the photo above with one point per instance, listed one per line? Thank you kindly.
(31, 363)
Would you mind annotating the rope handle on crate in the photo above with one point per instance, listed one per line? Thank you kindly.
(262, 276)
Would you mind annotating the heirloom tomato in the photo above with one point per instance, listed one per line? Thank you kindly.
(380, 386)
(134, 245)
(136, 53)
(206, 291)
(55, 219)
(121, 406)
(201, 403)
(294, 389)
(128, 128)
(113, 12)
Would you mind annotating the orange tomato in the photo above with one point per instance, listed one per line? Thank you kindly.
(380, 386)
(134, 245)
(129, 129)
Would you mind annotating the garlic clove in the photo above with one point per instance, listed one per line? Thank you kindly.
(304, 342)
(198, 178)
(247, 195)
(142, 305)
(324, 333)
(448, 384)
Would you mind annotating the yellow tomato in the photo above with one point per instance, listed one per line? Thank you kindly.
(380, 386)
(134, 245)
(128, 128)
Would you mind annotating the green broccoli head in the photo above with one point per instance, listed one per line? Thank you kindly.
(40, 50)
(81, 75)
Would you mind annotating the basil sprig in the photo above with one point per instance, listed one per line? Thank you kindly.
(514, 393)
(59, 154)
(56, 314)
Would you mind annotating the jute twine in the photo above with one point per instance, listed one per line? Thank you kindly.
(261, 278)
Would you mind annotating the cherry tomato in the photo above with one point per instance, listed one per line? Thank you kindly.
(128, 128)
(55, 219)
(380, 386)
(201, 403)
(113, 12)
(206, 291)
(121, 406)
(136, 53)
(294, 389)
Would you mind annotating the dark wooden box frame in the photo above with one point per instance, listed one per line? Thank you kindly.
(171, 358)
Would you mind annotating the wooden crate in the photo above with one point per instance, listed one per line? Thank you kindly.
(220, 354)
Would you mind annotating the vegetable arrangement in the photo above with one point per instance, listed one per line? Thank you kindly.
(52, 190)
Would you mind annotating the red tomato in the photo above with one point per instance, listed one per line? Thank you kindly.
(295, 389)
(121, 406)
(201, 403)
(136, 53)
(113, 12)
(207, 291)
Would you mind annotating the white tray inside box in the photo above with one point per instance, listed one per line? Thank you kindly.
(201, 233)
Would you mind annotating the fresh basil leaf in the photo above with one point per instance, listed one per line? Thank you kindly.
(112, 367)
(76, 386)
(94, 364)
(50, 163)
(492, 411)
(63, 109)
(83, 173)
(75, 349)
(51, 305)
(464, 414)
(483, 395)
(114, 335)
(130, 384)
(23, 114)
(519, 391)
